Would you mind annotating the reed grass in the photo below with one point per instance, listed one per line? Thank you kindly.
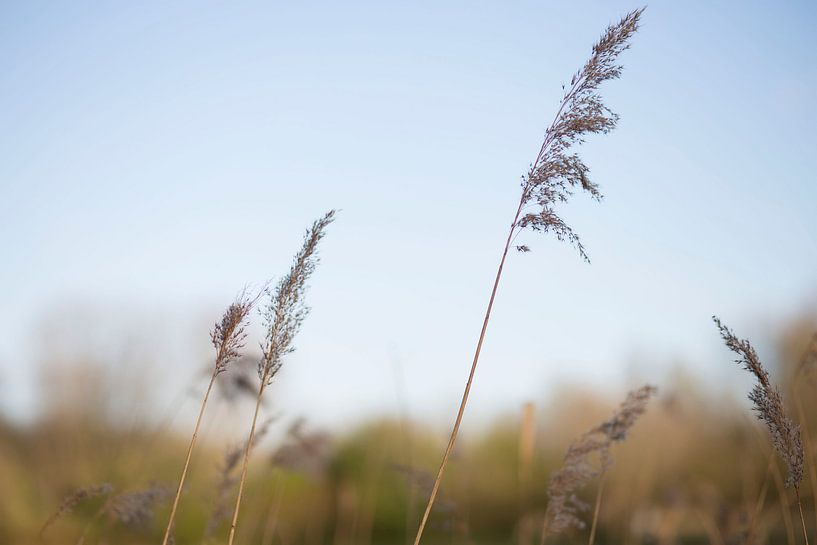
(769, 408)
(72, 500)
(227, 336)
(283, 317)
(589, 457)
(555, 174)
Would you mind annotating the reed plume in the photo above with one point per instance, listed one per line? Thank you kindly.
(283, 318)
(228, 337)
(132, 508)
(135, 508)
(589, 457)
(768, 406)
(554, 176)
(70, 501)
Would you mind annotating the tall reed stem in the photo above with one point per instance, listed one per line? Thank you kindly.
(785, 506)
(812, 470)
(461, 411)
(596, 510)
(514, 225)
(802, 519)
(552, 178)
(187, 459)
(246, 461)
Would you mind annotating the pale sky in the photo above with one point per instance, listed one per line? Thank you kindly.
(157, 156)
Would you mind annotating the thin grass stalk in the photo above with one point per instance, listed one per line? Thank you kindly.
(774, 472)
(246, 460)
(812, 470)
(809, 447)
(455, 431)
(553, 178)
(784, 504)
(802, 519)
(284, 316)
(227, 337)
(190, 447)
(596, 509)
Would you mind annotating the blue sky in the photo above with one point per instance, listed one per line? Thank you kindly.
(158, 156)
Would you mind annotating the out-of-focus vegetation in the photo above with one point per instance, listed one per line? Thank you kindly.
(696, 469)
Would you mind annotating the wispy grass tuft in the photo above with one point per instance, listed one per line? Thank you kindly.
(135, 508)
(769, 408)
(228, 337)
(587, 458)
(283, 318)
(70, 502)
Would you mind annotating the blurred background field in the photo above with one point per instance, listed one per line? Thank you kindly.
(691, 472)
(155, 157)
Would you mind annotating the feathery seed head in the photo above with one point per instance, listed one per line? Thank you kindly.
(768, 406)
(587, 458)
(135, 509)
(634, 405)
(228, 335)
(287, 310)
(70, 501)
(556, 172)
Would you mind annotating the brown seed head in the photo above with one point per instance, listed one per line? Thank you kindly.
(768, 406)
(587, 458)
(135, 509)
(228, 335)
(557, 172)
(70, 501)
(287, 310)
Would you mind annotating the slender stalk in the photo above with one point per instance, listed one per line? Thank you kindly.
(596, 510)
(187, 458)
(227, 337)
(246, 461)
(812, 470)
(455, 431)
(464, 401)
(551, 179)
(802, 519)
